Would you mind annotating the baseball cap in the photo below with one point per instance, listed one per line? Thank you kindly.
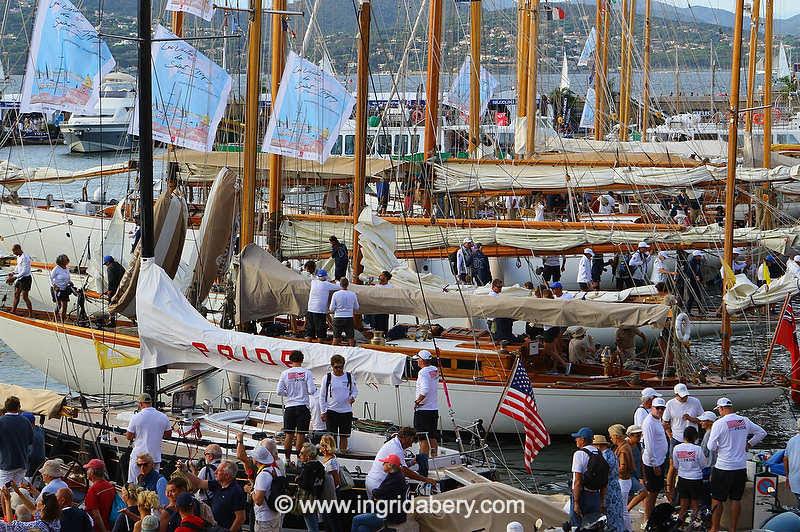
(184, 500)
(697, 253)
(144, 398)
(588, 251)
(796, 258)
(322, 274)
(391, 459)
(94, 463)
(644, 244)
(737, 251)
(633, 429)
(723, 401)
(770, 258)
(261, 455)
(584, 432)
(424, 355)
(649, 393)
(468, 240)
(107, 259)
(681, 389)
(659, 402)
(707, 416)
(556, 285)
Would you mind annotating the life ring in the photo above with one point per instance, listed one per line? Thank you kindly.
(683, 327)
(758, 119)
(417, 116)
(776, 113)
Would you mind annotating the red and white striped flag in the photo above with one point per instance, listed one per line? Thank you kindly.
(518, 403)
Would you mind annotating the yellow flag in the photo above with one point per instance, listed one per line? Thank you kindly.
(730, 277)
(767, 278)
(109, 358)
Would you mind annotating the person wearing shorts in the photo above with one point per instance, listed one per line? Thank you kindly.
(344, 304)
(656, 447)
(296, 385)
(336, 398)
(21, 279)
(688, 461)
(552, 266)
(318, 296)
(426, 406)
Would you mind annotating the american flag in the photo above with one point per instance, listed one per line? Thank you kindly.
(519, 404)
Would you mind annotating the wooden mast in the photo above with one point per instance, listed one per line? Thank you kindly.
(646, 73)
(623, 58)
(275, 161)
(533, 57)
(362, 100)
(767, 142)
(625, 103)
(432, 77)
(523, 26)
(177, 23)
(475, 78)
(599, 79)
(730, 185)
(751, 64)
(601, 110)
(250, 153)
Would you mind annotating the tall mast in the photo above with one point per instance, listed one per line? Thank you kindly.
(177, 23)
(677, 82)
(432, 77)
(623, 58)
(523, 27)
(475, 77)
(625, 103)
(362, 100)
(149, 376)
(599, 79)
(751, 64)
(767, 142)
(533, 57)
(250, 154)
(730, 185)
(601, 109)
(713, 78)
(646, 73)
(275, 161)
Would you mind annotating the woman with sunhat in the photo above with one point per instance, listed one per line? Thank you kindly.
(615, 506)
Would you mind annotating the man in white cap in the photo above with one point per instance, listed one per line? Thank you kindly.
(793, 266)
(607, 204)
(682, 411)
(426, 404)
(643, 410)
(146, 429)
(656, 448)
(267, 520)
(464, 261)
(585, 270)
(731, 437)
(707, 420)
(639, 264)
(791, 463)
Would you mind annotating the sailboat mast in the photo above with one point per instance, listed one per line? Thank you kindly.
(646, 73)
(533, 57)
(362, 99)
(767, 142)
(177, 23)
(275, 160)
(623, 58)
(523, 26)
(713, 65)
(247, 229)
(751, 64)
(475, 77)
(625, 103)
(432, 81)
(599, 79)
(604, 101)
(730, 184)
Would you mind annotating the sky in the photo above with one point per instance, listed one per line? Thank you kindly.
(783, 8)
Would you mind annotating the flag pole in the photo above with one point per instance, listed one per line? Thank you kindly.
(772, 343)
(508, 383)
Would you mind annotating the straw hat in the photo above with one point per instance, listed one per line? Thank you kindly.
(599, 439)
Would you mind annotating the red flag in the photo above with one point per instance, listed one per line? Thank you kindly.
(786, 337)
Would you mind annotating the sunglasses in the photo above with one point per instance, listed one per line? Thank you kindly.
(143, 464)
(661, 408)
(337, 367)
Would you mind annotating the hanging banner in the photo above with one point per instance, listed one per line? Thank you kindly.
(199, 8)
(458, 96)
(190, 93)
(66, 62)
(310, 108)
(588, 49)
(587, 116)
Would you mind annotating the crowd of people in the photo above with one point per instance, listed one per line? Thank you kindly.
(695, 458)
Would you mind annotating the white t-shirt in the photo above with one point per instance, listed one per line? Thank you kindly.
(658, 277)
(552, 260)
(538, 212)
(792, 453)
(585, 270)
(23, 267)
(729, 438)
(264, 483)
(638, 263)
(608, 208)
(689, 460)
(580, 460)
(337, 396)
(52, 487)
(655, 442)
(316, 413)
(674, 412)
(59, 277)
(329, 490)
(296, 384)
(343, 304)
(318, 296)
(376, 473)
(566, 296)
(640, 415)
(428, 384)
(149, 426)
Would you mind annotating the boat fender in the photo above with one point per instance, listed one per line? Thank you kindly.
(683, 327)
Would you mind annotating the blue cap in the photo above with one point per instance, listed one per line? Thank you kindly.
(556, 285)
(770, 258)
(107, 259)
(584, 432)
(184, 500)
(322, 273)
(30, 417)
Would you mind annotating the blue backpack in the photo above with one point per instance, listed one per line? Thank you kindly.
(116, 508)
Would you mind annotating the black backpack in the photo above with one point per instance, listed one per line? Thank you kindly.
(312, 478)
(328, 384)
(595, 477)
(280, 486)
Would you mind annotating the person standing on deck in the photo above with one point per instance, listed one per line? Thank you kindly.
(682, 411)
(380, 322)
(639, 264)
(114, 273)
(552, 268)
(317, 313)
(426, 405)
(21, 279)
(660, 272)
(146, 429)
(296, 385)
(340, 258)
(344, 304)
(61, 285)
(337, 395)
(656, 448)
(464, 261)
(15, 444)
(643, 410)
(502, 328)
(481, 272)
(585, 270)
(694, 280)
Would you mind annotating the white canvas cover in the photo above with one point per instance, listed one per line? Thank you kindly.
(173, 333)
(745, 294)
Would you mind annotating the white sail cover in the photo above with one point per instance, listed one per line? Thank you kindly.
(587, 115)
(783, 64)
(173, 333)
(459, 93)
(66, 61)
(745, 294)
(13, 177)
(564, 85)
(588, 49)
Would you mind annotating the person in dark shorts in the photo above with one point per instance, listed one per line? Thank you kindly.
(426, 405)
(318, 299)
(296, 385)
(336, 398)
(656, 449)
(344, 304)
(688, 461)
(21, 279)
(552, 268)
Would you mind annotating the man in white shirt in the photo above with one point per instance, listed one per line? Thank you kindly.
(267, 520)
(607, 204)
(21, 279)
(336, 398)
(791, 464)
(316, 317)
(643, 410)
(584, 501)
(585, 270)
(656, 447)
(682, 411)
(502, 328)
(558, 291)
(729, 437)
(464, 261)
(397, 445)
(660, 271)
(639, 264)
(793, 266)
(295, 385)
(426, 404)
(147, 429)
(344, 303)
